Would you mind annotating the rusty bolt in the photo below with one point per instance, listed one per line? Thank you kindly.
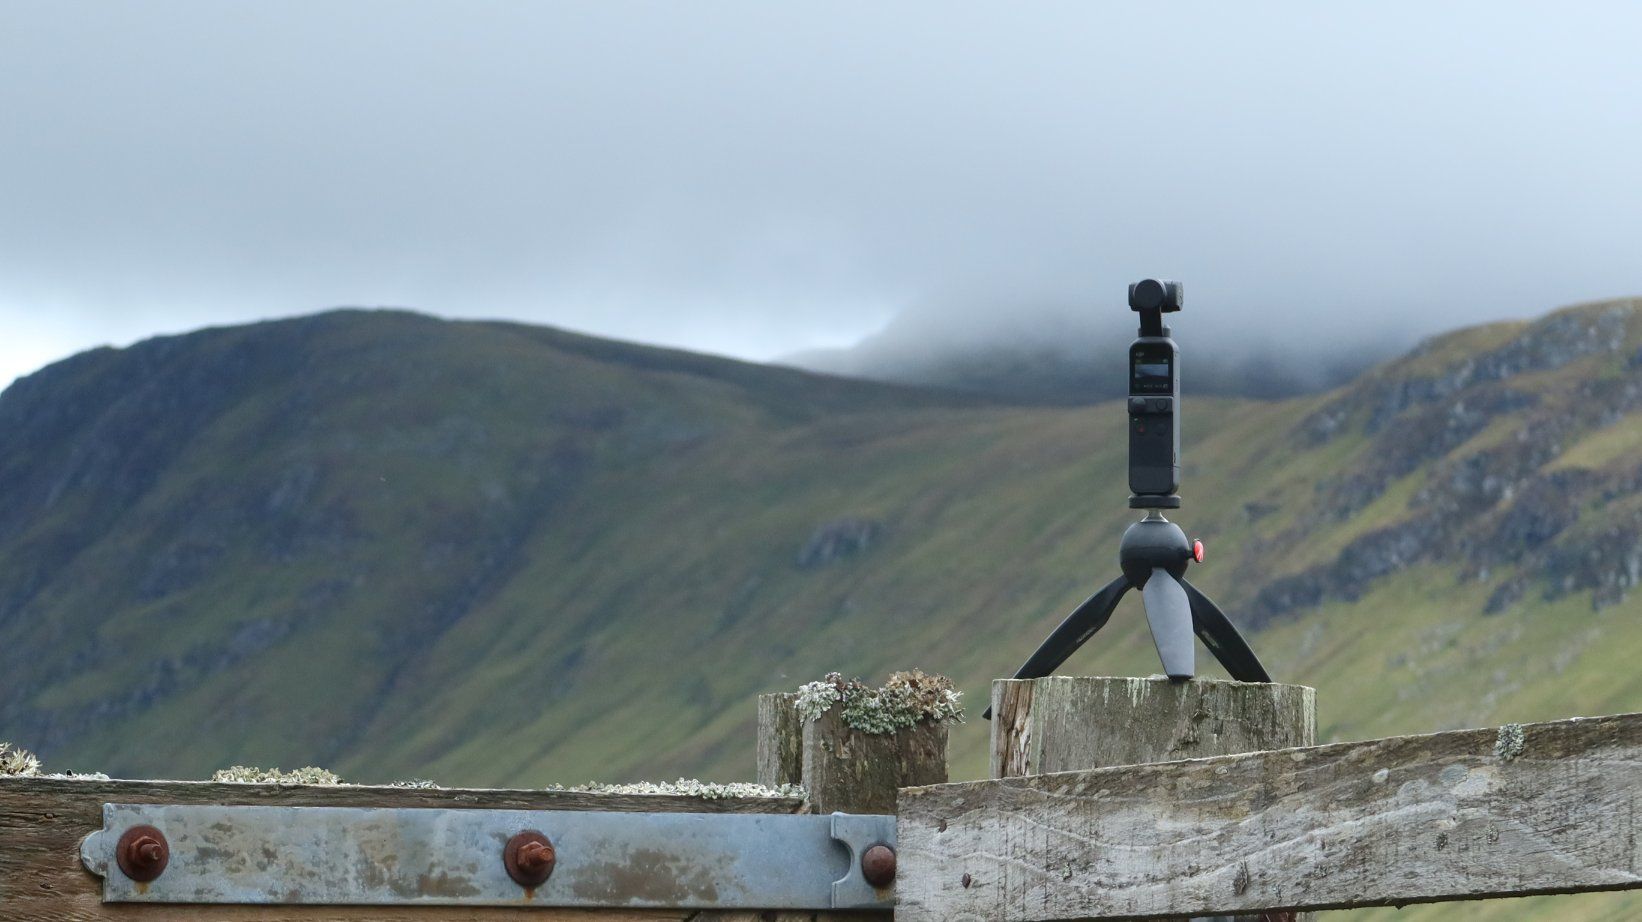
(878, 865)
(533, 857)
(529, 858)
(142, 853)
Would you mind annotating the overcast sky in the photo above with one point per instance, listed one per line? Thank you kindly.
(760, 178)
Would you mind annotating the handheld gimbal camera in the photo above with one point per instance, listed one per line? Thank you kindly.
(1154, 553)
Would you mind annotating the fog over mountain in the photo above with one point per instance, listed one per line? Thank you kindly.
(1066, 353)
(758, 179)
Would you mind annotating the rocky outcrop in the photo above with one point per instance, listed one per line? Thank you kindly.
(1553, 343)
(837, 539)
(1500, 510)
(1422, 436)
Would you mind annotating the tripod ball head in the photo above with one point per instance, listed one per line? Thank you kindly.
(1154, 543)
(1156, 295)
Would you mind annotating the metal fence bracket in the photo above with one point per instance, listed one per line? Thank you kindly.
(424, 856)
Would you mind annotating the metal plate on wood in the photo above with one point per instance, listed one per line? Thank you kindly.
(372, 856)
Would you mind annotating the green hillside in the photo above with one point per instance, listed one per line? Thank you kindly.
(496, 554)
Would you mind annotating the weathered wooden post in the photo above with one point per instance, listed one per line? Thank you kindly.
(1067, 723)
(844, 768)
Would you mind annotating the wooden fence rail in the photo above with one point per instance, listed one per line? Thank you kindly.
(1522, 809)
(1519, 810)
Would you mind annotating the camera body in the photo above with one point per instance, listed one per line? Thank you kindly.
(1154, 419)
(1154, 399)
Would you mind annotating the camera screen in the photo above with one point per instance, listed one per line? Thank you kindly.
(1152, 373)
(1151, 370)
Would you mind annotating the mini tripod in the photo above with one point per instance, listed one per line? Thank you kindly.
(1154, 553)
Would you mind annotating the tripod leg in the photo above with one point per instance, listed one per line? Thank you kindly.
(1169, 614)
(1221, 637)
(1078, 627)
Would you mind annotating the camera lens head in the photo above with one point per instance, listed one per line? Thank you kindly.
(1147, 295)
(1155, 295)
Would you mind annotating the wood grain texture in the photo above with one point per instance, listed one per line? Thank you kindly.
(1067, 723)
(43, 820)
(788, 916)
(780, 740)
(845, 770)
(1541, 808)
(1075, 723)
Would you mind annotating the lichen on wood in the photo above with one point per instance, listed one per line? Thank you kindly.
(18, 763)
(908, 698)
(1509, 743)
(75, 776)
(688, 787)
(418, 783)
(245, 774)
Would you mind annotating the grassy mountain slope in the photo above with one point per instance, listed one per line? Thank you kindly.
(495, 554)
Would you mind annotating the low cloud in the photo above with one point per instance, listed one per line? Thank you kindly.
(1071, 353)
(758, 179)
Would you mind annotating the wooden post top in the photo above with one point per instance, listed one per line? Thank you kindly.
(842, 768)
(1075, 723)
